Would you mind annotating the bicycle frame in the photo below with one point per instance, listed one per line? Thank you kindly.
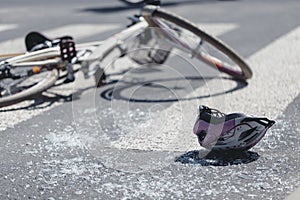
(99, 50)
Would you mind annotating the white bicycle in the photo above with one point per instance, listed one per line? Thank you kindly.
(155, 31)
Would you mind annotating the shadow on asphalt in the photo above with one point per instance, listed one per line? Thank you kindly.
(217, 158)
(125, 7)
(42, 101)
(114, 92)
(117, 93)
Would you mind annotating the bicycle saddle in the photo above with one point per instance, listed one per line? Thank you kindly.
(37, 41)
(236, 131)
(33, 39)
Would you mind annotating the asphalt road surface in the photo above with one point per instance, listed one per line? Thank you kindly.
(132, 138)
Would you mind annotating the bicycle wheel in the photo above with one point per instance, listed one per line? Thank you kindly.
(132, 2)
(140, 2)
(15, 91)
(188, 37)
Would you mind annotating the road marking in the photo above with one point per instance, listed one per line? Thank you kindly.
(78, 31)
(5, 27)
(217, 28)
(274, 85)
(294, 195)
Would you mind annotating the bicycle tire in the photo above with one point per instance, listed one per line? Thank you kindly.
(48, 81)
(132, 3)
(150, 12)
(140, 2)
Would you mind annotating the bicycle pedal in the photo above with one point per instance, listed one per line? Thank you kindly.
(67, 49)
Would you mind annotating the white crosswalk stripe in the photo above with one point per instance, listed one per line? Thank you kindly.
(77, 31)
(217, 28)
(266, 94)
(5, 27)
